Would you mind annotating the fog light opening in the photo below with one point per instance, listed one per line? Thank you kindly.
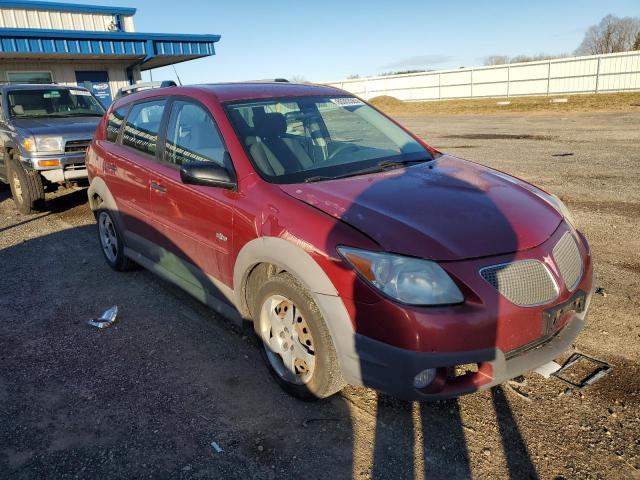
(424, 378)
(462, 370)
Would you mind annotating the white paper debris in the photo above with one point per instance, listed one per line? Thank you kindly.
(547, 369)
(107, 318)
(216, 447)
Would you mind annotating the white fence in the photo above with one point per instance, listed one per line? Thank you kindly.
(615, 72)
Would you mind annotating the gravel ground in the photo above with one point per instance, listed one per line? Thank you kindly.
(146, 398)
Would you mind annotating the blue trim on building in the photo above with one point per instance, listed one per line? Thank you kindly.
(68, 7)
(146, 46)
(114, 36)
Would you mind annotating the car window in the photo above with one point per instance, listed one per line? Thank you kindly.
(192, 136)
(142, 126)
(114, 122)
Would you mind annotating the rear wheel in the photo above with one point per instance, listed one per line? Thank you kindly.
(297, 346)
(27, 189)
(111, 242)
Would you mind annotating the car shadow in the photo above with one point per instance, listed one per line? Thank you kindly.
(264, 433)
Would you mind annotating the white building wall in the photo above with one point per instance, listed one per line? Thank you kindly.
(64, 73)
(615, 72)
(50, 19)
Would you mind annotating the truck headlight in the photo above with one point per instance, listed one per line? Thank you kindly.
(49, 144)
(29, 145)
(409, 280)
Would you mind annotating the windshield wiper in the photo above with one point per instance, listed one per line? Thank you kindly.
(379, 167)
(364, 171)
(401, 163)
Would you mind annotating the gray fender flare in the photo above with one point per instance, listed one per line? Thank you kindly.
(301, 265)
(98, 187)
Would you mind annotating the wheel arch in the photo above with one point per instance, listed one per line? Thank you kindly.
(286, 256)
(100, 197)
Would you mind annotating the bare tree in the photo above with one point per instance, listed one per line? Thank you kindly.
(496, 60)
(613, 34)
(636, 44)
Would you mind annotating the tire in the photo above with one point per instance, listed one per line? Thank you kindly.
(316, 372)
(111, 242)
(26, 186)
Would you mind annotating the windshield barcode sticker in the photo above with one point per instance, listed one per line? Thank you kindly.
(82, 93)
(347, 102)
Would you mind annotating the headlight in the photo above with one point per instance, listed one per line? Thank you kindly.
(49, 144)
(408, 280)
(562, 209)
(29, 145)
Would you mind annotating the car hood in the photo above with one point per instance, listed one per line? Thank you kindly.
(449, 209)
(76, 126)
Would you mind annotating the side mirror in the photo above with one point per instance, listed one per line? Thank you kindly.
(208, 174)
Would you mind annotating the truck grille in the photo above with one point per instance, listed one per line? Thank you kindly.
(525, 282)
(567, 257)
(76, 146)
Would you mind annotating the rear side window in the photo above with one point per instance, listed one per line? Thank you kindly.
(142, 126)
(114, 122)
(192, 136)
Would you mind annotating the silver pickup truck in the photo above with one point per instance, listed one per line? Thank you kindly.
(44, 133)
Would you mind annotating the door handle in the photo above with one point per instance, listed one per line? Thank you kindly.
(156, 186)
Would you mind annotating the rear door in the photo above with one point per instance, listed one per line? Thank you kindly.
(129, 166)
(196, 220)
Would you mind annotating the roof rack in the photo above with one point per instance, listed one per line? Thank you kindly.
(128, 90)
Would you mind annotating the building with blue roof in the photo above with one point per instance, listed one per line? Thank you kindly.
(89, 45)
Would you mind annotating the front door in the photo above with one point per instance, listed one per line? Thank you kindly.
(96, 81)
(196, 219)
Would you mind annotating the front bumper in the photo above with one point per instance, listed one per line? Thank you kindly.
(391, 370)
(71, 166)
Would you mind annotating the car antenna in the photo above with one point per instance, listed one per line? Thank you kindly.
(177, 76)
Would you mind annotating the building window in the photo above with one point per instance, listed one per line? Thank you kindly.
(29, 77)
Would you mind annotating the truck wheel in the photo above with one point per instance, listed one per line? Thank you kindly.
(111, 243)
(26, 186)
(298, 348)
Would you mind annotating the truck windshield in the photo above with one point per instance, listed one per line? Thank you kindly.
(52, 102)
(315, 138)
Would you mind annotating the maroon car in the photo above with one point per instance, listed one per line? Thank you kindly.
(359, 253)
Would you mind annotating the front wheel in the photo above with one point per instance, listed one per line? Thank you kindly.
(27, 188)
(297, 345)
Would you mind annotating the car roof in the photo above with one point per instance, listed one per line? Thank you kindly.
(252, 90)
(238, 91)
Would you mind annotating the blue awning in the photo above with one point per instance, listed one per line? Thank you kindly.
(149, 50)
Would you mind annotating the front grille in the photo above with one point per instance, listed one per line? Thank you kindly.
(76, 146)
(567, 256)
(525, 282)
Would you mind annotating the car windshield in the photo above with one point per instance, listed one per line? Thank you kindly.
(297, 139)
(52, 102)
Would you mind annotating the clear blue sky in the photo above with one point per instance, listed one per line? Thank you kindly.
(331, 39)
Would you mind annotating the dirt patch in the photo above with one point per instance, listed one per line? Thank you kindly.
(500, 136)
(625, 209)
